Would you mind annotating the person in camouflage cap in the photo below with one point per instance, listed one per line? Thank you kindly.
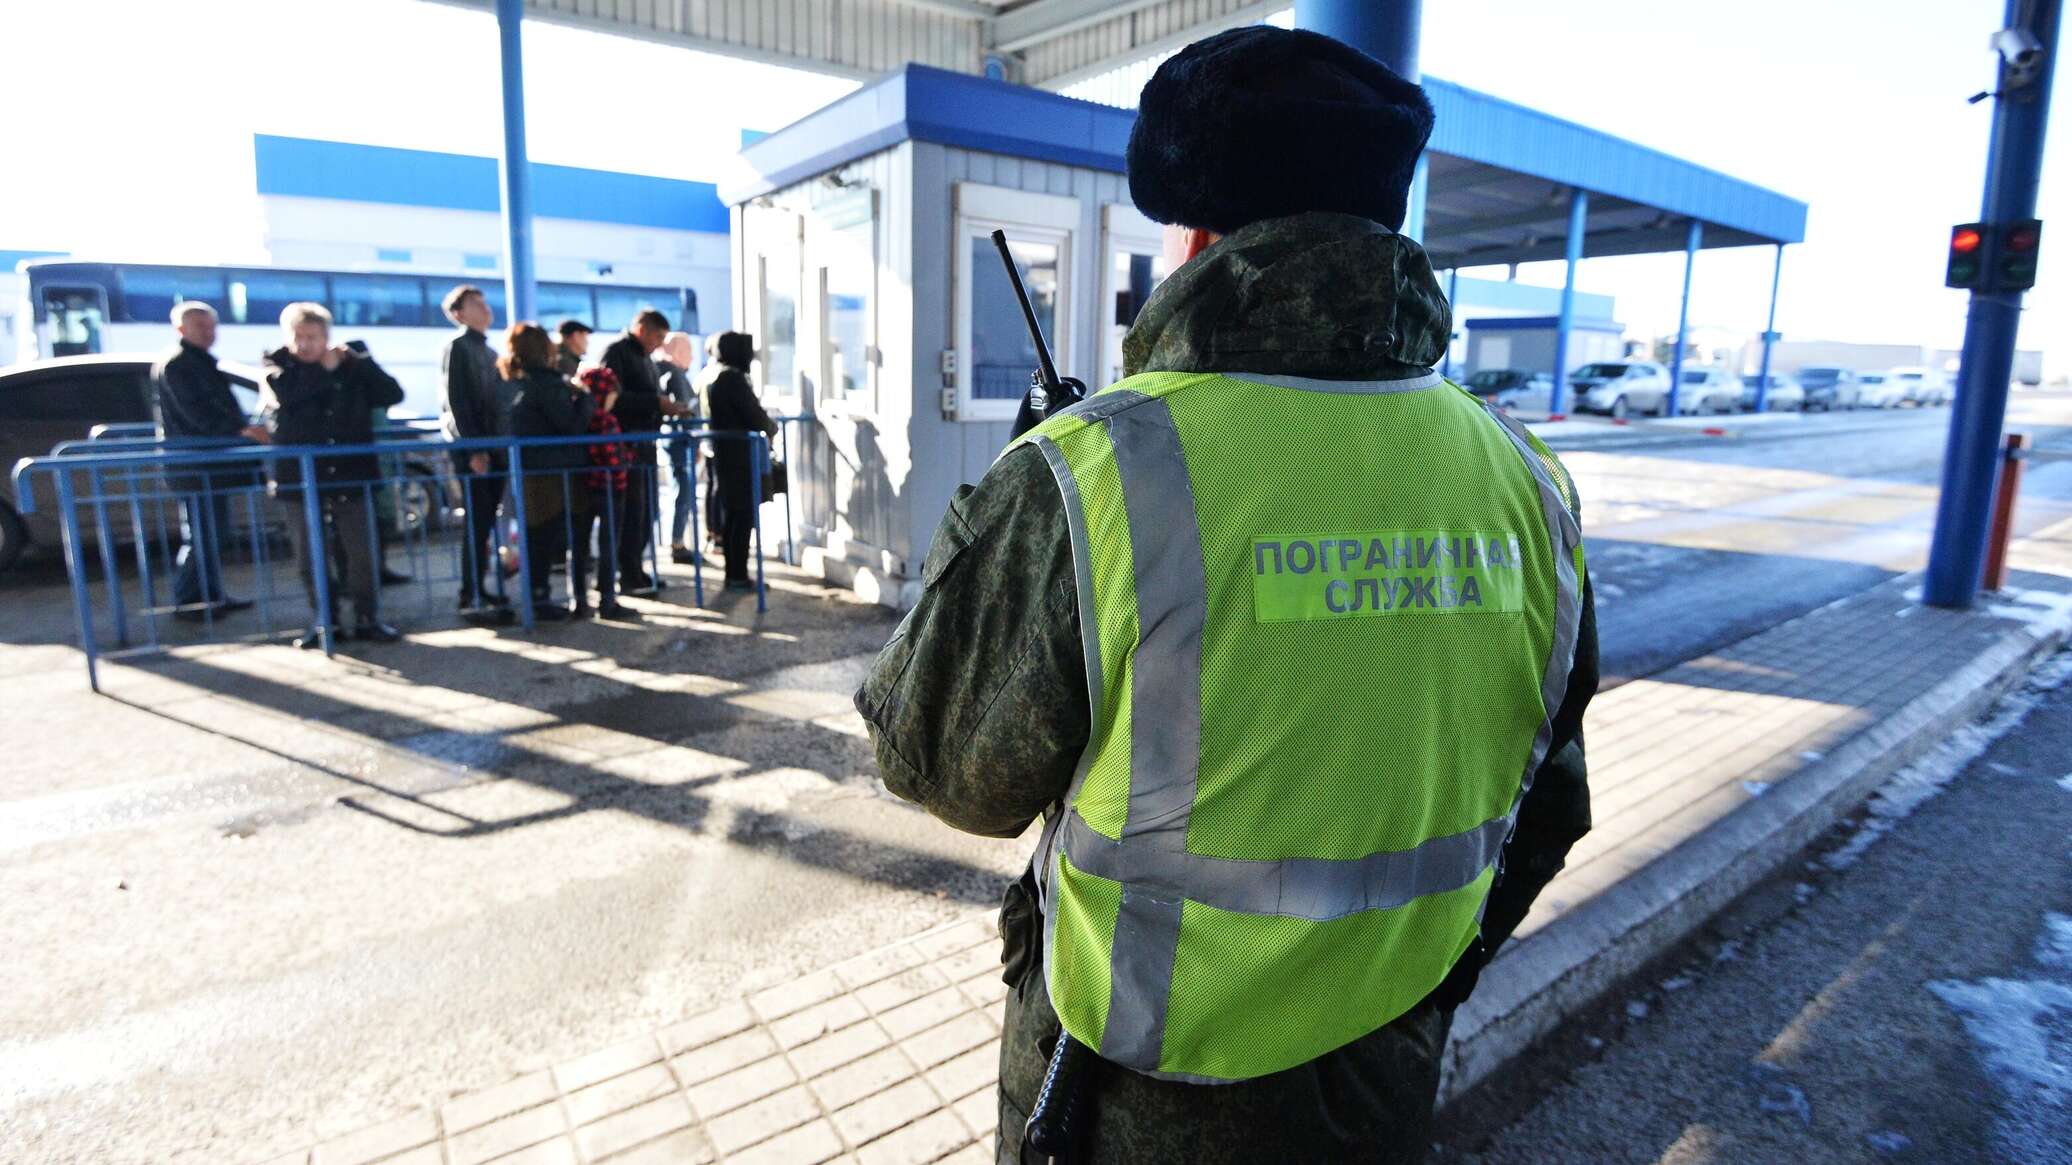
(978, 707)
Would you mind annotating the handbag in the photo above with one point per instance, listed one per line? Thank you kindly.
(776, 479)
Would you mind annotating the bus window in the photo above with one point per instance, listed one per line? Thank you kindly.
(378, 301)
(149, 293)
(564, 301)
(73, 318)
(259, 297)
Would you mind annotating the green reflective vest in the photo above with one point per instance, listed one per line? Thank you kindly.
(1327, 625)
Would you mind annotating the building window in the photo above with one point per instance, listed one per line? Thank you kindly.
(1135, 266)
(994, 350)
(391, 255)
(478, 262)
(845, 238)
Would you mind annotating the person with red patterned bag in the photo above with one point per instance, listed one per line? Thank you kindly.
(600, 503)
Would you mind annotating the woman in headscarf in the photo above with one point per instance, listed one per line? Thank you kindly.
(732, 407)
(675, 361)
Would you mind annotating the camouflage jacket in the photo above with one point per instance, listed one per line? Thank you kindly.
(978, 705)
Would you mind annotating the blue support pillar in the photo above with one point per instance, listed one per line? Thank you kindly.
(1386, 30)
(1692, 242)
(517, 172)
(1762, 379)
(1578, 217)
(1971, 457)
(1453, 309)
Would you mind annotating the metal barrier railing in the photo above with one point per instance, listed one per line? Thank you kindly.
(142, 498)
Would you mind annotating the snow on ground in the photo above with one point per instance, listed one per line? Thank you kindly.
(2021, 1027)
(2046, 611)
(1907, 789)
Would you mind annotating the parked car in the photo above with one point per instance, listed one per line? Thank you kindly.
(45, 403)
(1922, 387)
(1877, 390)
(1708, 390)
(1513, 388)
(1618, 388)
(1786, 395)
(1829, 388)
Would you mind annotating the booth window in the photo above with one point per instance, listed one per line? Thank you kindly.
(996, 354)
(849, 267)
(1135, 266)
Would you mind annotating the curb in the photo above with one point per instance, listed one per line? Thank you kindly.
(1565, 966)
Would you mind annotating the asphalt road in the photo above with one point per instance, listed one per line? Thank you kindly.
(221, 947)
(1905, 997)
(1700, 543)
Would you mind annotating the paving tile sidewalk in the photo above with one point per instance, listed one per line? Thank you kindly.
(892, 1055)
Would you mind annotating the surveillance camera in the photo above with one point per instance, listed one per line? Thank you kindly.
(2018, 47)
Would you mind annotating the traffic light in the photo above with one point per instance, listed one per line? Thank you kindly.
(2016, 261)
(1967, 268)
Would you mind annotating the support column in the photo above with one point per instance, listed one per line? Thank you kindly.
(1453, 319)
(1762, 378)
(1692, 242)
(2014, 163)
(1578, 217)
(516, 170)
(1386, 30)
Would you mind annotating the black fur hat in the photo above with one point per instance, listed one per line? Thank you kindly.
(1264, 122)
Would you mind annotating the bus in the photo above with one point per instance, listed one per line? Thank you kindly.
(83, 308)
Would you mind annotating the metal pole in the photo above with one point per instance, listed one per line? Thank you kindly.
(517, 172)
(1453, 305)
(1388, 32)
(1762, 379)
(525, 611)
(75, 569)
(1692, 242)
(1970, 459)
(1578, 216)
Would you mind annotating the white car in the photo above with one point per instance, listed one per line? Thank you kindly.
(1923, 386)
(1708, 390)
(1880, 391)
(1785, 394)
(1621, 387)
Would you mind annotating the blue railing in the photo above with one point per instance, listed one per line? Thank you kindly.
(115, 496)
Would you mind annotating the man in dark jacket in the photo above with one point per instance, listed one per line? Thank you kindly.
(476, 404)
(195, 404)
(315, 394)
(573, 346)
(641, 408)
(735, 410)
(979, 707)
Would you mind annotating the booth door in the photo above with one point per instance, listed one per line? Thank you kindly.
(1133, 264)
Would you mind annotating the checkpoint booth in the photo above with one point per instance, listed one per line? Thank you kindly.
(866, 272)
(864, 268)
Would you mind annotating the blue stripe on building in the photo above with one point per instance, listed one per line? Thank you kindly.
(309, 168)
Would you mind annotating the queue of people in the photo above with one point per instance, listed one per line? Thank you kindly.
(575, 495)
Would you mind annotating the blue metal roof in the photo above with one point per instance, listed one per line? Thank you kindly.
(9, 259)
(931, 105)
(1539, 323)
(1480, 128)
(309, 168)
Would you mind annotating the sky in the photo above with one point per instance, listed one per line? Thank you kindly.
(1856, 107)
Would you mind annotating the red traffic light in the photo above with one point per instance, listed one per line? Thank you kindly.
(1965, 240)
(2023, 236)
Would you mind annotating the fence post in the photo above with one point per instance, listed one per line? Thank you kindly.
(697, 520)
(117, 608)
(760, 459)
(319, 555)
(2012, 454)
(791, 541)
(517, 468)
(82, 602)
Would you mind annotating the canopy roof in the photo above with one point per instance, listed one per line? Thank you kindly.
(1501, 175)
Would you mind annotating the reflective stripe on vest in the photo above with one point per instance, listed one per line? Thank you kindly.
(1282, 833)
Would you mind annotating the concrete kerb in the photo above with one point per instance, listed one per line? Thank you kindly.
(1569, 963)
